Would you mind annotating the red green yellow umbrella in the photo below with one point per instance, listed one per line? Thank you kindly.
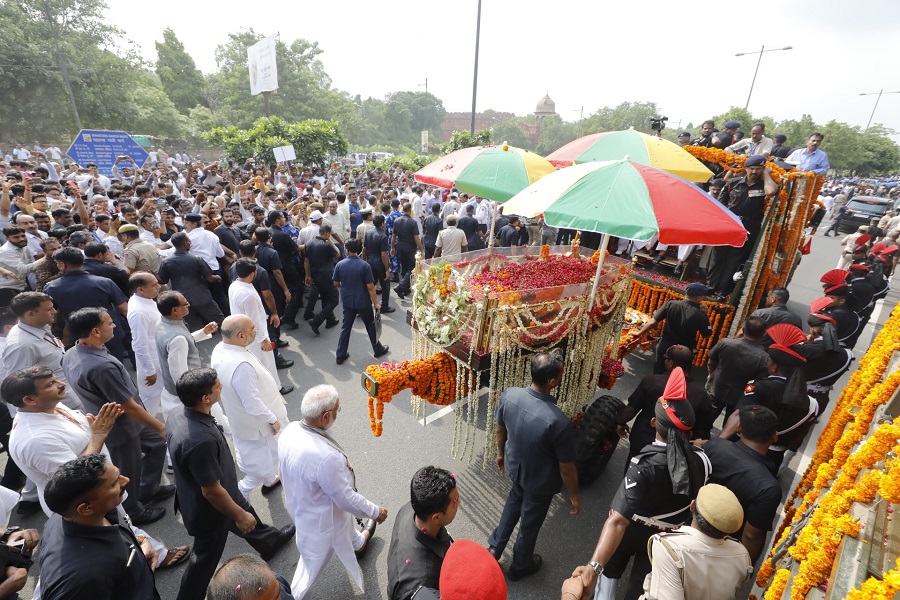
(495, 172)
(639, 147)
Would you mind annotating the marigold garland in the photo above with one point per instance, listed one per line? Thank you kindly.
(838, 476)
(875, 589)
(433, 378)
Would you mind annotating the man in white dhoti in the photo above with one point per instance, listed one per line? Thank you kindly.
(243, 299)
(255, 409)
(320, 493)
(143, 319)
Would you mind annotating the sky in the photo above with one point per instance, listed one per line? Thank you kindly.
(585, 54)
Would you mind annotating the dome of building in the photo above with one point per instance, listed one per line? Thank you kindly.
(546, 105)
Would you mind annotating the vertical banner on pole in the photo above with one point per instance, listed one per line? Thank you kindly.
(262, 67)
(425, 142)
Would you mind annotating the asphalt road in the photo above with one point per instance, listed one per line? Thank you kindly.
(385, 465)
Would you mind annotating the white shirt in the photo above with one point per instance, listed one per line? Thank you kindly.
(206, 245)
(451, 207)
(307, 234)
(143, 317)
(18, 260)
(40, 443)
(338, 223)
(483, 213)
(244, 300)
(450, 240)
(245, 383)
(177, 350)
(34, 241)
(113, 243)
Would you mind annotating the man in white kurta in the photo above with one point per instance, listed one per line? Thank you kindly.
(255, 409)
(243, 299)
(320, 493)
(143, 319)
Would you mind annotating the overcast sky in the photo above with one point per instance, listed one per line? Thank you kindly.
(584, 53)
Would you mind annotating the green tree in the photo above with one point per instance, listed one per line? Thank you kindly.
(304, 88)
(620, 118)
(511, 132)
(463, 139)
(797, 131)
(746, 119)
(555, 133)
(878, 155)
(314, 140)
(180, 78)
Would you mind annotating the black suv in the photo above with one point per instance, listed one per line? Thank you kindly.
(861, 210)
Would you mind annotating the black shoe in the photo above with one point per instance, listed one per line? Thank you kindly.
(388, 310)
(282, 344)
(536, 562)
(384, 350)
(402, 293)
(313, 326)
(367, 525)
(495, 553)
(340, 359)
(164, 492)
(291, 324)
(284, 536)
(27, 508)
(268, 489)
(284, 364)
(309, 317)
(286, 389)
(150, 515)
(330, 324)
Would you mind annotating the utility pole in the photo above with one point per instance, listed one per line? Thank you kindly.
(54, 26)
(266, 103)
(760, 52)
(475, 77)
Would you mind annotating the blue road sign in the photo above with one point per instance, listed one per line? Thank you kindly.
(102, 147)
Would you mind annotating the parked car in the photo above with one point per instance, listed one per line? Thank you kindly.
(861, 210)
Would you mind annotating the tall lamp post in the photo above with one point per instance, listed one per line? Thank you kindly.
(475, 76)
(424, 84)
(879, 94)
(760, 52)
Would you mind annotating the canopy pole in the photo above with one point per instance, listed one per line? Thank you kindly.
(493, 221)
(604, 244)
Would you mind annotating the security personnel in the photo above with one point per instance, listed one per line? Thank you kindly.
(745, 197)
(735, 362)
(861, 300)
(846, 321)
(700, 561)
(319, 257)
(405, 240)
(642, 403)
(655, 496)
(376, 252)
(783, 391)
(745, 468)
(684, 320)
(826, 359)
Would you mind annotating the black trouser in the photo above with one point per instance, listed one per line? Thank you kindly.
(208, 549)
(407, 264)
(835, 225)
(323, 288)
(659, 367)
(633, 544)
(203, 312)
(141, 460)
(429, 251)
(368, 318)
(294, 283)
(381, 278)
(533, 511)
(219, 293)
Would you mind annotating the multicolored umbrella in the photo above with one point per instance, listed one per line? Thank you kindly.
(623, 198)
(495, 172)
(641, 148)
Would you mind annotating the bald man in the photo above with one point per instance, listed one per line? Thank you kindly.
(255, 408)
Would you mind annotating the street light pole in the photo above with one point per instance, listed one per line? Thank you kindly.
(426, 86)
(475, 77)
(879, 94)
(760, 52)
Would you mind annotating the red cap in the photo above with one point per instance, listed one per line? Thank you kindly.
(469, 571)
(785, 334)
(676, 386)
(820, 304)
(859, 267)
(835, 276)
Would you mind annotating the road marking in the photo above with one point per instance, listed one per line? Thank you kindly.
(443, 412)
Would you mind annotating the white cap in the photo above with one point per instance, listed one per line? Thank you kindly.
(404, 196)
(315, 216)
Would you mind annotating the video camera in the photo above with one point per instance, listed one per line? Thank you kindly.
(658, 123)
(14, 554)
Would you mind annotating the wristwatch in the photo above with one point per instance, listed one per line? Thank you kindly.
(597, 567)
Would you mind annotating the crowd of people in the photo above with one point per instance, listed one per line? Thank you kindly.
(100, 272)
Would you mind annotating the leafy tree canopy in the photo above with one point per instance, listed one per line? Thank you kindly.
(314, 140)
